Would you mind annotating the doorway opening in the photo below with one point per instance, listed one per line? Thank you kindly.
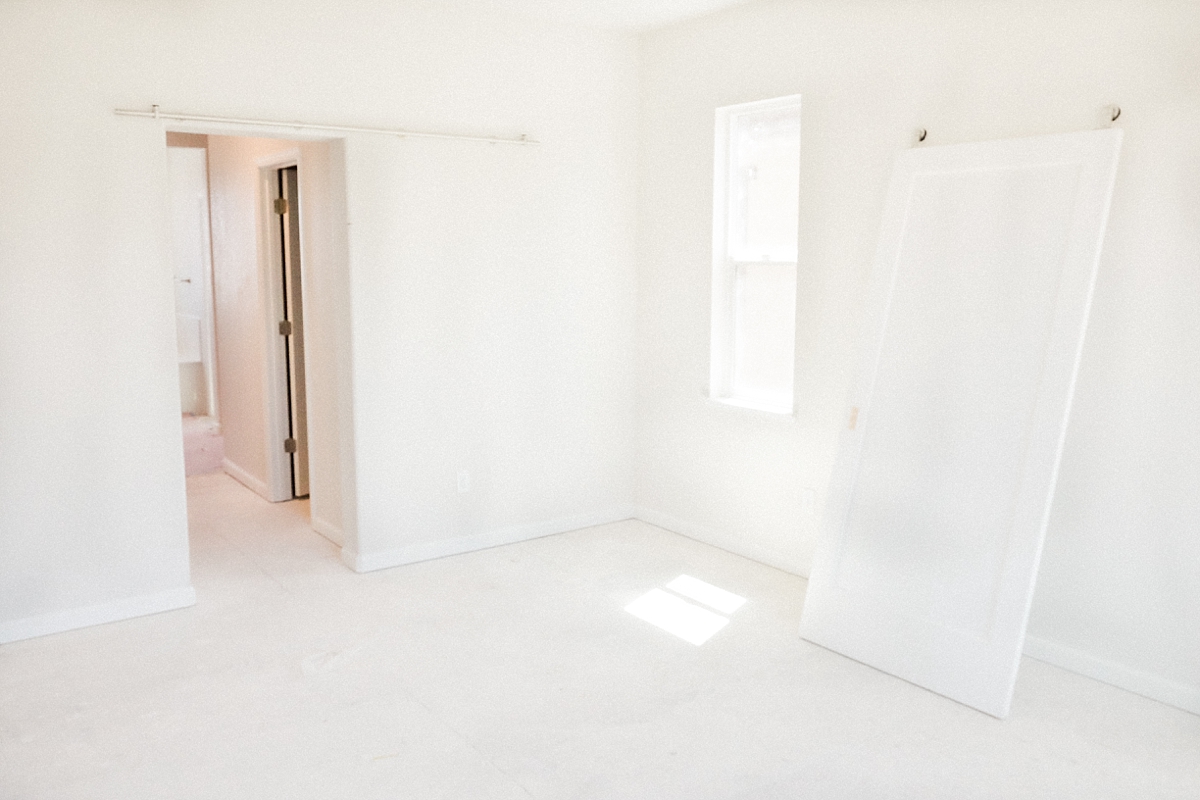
(276, 269)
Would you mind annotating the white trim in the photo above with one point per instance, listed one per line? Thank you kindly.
(114, 611)
(1180, 695)
(243, 477)
(327, 529)
(728, 542)
(427, 551)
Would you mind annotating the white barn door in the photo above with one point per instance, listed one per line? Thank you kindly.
(946, 468)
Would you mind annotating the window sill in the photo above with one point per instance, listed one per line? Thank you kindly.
(760, 406)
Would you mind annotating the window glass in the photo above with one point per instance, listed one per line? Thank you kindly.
(764, 185)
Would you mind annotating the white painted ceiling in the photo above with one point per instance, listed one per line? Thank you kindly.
(632, 15)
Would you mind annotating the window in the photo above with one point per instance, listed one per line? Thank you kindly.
(756, 201)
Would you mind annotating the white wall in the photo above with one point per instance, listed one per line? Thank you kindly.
(326, 291)
(493, 334)
(1117, 593)
(92, 508)
(507, 354)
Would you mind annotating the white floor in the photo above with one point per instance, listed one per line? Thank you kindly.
(516, 673)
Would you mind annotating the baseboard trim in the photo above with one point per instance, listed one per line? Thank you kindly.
(71, 619)
(246, 479)
(327, 529)
(718, 539)
(427, 551)
(1166, 691)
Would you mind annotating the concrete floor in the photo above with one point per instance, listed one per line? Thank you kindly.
(516, 673)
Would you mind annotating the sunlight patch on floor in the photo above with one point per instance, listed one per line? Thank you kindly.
(688, 621)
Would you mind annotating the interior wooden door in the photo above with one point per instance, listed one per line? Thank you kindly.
(943, 483)
(293, 313)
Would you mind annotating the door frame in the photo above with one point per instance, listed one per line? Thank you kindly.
(336, 522)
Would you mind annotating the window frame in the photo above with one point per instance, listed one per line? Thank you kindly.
(726, 268)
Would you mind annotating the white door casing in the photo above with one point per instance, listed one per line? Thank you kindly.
(946, 467)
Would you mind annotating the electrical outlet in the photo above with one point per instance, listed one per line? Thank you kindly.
(464, 481)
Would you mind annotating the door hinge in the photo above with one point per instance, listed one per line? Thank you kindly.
(285, 327)
(281, 205)
(289, 445)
